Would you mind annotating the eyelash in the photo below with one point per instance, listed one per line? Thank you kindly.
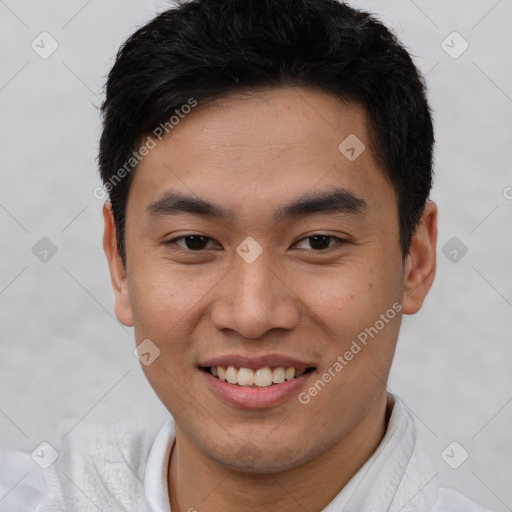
(339, 241)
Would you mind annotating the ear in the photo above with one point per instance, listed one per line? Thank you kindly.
(122, 305)
(420, 264)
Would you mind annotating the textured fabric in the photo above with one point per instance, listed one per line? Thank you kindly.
(98, 467)
(123, 467)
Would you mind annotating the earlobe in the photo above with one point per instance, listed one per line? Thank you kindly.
(122, 305)
(420, 264)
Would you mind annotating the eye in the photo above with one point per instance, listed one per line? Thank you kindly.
(320, 242)
(194, 243)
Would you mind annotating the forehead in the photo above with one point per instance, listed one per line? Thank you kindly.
(264, 146)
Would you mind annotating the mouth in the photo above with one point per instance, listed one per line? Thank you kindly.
(267, 376)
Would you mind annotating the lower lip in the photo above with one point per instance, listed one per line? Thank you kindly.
(255, 398)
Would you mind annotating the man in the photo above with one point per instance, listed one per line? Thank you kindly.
(268, 165)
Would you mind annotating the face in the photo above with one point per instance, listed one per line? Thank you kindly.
(294, 261)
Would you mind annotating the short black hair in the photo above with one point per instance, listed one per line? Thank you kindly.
(201, 50)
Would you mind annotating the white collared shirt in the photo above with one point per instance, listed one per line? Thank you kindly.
(124, 467)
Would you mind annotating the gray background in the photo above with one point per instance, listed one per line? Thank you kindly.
(64, 357)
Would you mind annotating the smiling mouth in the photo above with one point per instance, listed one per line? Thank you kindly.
(259, 378)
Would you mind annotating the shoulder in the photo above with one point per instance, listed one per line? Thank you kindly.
(127, 443)
(450, 500)
(94, 465)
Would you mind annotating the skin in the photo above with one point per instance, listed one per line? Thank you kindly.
(252, 154)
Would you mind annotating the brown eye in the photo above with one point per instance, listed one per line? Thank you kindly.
(320, 242)
(191, 242)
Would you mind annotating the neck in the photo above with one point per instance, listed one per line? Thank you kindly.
(198, 483)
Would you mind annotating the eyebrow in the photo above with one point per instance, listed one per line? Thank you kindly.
(337, 200)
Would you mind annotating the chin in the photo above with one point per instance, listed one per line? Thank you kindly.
(262, 458)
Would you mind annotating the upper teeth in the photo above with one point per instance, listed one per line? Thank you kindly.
(262, 377)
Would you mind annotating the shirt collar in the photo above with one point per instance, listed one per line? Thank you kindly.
(157, 467)
(398, 477)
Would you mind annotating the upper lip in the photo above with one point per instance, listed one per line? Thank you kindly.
(239, 361)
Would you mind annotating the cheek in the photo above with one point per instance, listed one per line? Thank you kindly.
(160, 299)
(162, 286)
(353, 308)
(348, 297)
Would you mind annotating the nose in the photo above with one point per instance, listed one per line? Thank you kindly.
(255, 298)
